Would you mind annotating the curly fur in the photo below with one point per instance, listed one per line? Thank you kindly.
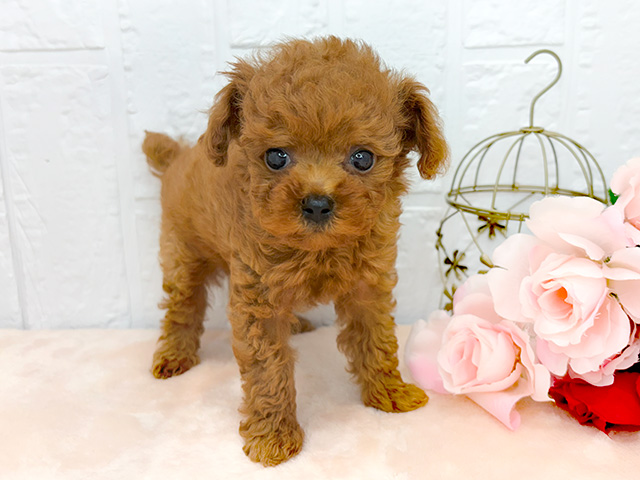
(226, 212)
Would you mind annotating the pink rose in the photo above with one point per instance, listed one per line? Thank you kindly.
(561, 295)
(607, 336)
(574, 226)
(533, 282)
(479, 354)
(579, 326)
(626, 184)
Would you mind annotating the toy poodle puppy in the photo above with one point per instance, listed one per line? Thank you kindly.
(293, 191)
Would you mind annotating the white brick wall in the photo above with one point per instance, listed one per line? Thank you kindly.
(81, 80)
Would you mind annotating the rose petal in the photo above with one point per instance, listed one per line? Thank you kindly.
(608, 337)
(605, 374)
(620, 179)
(537, 373)
(626, 184)
(501, 405)
(632, 233)
(577, 217)
(504, 282)
(623, 272)
(556, 363)
(499, 365)
(591, 249)
(478, 304)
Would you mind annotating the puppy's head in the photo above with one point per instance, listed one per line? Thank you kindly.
(324, 130)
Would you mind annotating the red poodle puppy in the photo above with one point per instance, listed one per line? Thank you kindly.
(294, 191)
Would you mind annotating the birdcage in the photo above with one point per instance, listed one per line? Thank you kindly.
(495, 184)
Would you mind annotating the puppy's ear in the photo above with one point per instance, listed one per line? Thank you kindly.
(225, 117)
(422, 130)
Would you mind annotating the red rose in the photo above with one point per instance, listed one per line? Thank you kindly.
(614, 407)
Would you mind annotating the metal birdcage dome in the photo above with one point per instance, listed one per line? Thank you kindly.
(497, 181)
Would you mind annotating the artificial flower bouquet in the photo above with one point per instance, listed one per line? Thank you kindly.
(557, 318)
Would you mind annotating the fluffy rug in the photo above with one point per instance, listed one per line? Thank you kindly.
(83, 405)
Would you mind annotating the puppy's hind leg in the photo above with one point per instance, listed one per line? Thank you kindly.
(186, 301)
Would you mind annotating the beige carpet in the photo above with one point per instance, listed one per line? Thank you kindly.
(83, 405)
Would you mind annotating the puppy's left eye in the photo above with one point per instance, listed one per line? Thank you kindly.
(362, 160)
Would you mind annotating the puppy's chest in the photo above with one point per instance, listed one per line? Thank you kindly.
(313, 277)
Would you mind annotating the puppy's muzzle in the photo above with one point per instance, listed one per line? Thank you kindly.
(317, 209)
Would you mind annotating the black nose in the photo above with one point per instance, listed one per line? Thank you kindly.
(317, 208)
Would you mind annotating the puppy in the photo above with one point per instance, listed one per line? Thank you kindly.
(293, 191)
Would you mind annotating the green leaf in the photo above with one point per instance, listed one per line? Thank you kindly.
(612, 197)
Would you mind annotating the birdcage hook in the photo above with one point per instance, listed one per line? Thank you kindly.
(545, 89)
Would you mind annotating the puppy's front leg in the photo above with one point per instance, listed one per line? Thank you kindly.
(260, 343)
(368, 340)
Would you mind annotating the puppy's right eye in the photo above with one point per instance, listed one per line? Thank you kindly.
(276, 158)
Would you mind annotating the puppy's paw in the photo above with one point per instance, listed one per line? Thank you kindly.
(301, 325)
(391, 394)
(277, 444)
(168, 363)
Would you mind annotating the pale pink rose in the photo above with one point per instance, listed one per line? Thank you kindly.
(623, 273)
(626, 184)
(493, 364)
(480, 355)
(562, 295)
(578, 226)
(607, 336)
(577, 323)
(532, 282)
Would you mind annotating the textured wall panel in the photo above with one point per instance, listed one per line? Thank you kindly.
(63, 179)
(10, 314)
(418, 290)
(496, 23)
(50, 25)
(169, 69)
(607, 85)
(148, 213)
(170, 80)
(414, 42)
(126, 66)
(256, 24)
(497, 97)
(169, 74)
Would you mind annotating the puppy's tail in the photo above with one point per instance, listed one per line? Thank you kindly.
(160, 150)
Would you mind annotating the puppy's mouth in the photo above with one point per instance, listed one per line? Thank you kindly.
(316, 221)
(331, 221)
